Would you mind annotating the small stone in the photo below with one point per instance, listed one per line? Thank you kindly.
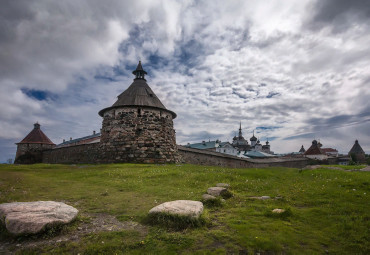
(216, 191)
(265, 197)
(207, 197)
(312, 167)
(261, 198)
(223, 185)
(366, 169)
(278, 210)
(189, 208)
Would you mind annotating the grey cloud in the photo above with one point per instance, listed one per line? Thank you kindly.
(338, 121)
(197, 54)
(339, 15)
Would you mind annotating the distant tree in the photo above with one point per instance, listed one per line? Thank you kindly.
(10, 161)
(353, 158)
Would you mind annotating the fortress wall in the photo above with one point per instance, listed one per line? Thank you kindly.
(92, 154)
(202, 157)
(78, 154)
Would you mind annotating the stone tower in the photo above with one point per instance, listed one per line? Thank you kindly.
(138, 127)
(29, 150)
(357, 153)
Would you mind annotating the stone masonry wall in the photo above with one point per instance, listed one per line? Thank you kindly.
(203, 157)
(78, 154)
(30, 153)
(91, 153)
(138, 134)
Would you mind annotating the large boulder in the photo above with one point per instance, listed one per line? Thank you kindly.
(33, 217)
(187, 208)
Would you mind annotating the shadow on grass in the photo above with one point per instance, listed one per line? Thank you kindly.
(175, 222)
(212, 203)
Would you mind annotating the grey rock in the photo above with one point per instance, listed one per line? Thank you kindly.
(216, 191)
(334, 168)
(33, 217)
(261, 198)
(188, 208)
(366, 169)
(223, 185)
(313, 167)
(207, 197)
(277, 210)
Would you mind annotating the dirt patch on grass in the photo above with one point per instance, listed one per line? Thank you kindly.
(85, 224)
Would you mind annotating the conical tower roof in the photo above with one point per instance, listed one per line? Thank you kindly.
(138, 94)
(356, 149)
(36, 136)
(314, 149)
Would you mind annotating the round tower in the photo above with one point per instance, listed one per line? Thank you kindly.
(138, 127)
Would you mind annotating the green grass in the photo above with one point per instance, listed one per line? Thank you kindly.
(327, 210)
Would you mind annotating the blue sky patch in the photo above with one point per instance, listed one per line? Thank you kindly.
(267, 128)
(39, 95)
(272, 94)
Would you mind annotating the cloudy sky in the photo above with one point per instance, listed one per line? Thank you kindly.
(293, 71)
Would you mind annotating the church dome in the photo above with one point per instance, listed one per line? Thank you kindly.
(253, 138)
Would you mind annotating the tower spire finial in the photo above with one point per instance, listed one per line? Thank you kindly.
(139, 72)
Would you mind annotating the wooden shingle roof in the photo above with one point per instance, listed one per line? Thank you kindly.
(356, 149)
(138, 94)
(36, 136)
(314, 149)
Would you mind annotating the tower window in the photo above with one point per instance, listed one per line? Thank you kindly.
(139, 111)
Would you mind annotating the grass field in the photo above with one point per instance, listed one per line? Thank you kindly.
(329, 210)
